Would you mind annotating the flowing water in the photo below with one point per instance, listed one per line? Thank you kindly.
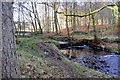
(102, 61)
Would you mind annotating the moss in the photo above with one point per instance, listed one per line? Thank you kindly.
(33, 55)
(83, 71)
(115, 49)
(117, 40)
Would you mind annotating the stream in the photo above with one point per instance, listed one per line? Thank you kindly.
(102, 61)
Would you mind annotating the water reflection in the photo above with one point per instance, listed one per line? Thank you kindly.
(100, 60)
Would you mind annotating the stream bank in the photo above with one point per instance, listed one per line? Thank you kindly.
(37, 61)
(101, 61)
(94, 55)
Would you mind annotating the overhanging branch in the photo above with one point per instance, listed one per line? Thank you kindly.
(93, 12)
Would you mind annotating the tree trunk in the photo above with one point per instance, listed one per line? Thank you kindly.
(35, 22)
(71, 20)
(118, 25)
(38, 19)
(32, 22)
(53, 22)
(48, 20)
(88, 27)
(55, 18)
(0, 42)
(19, 20)
(93, 22)
(23, 22)
(10, 66)
(67, 23)
(85, 19)
(74, 19)
(46, 23)
(102, 19)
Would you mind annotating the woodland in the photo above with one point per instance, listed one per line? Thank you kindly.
(60, 39)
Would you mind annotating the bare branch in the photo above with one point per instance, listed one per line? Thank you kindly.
(93, 12)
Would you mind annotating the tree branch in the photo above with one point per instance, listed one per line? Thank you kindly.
(93, 12)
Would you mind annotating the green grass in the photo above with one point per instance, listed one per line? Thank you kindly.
(31, 54)
(117, 40)
(84, 71)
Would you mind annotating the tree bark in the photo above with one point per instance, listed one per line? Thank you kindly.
(93, 22)
(38, 19)
(19, 20)
(0, 40)
(118, 25)
(10, 66)
(55, 18)
(23, 21)
(74, 19)
(32, 21)
(67, 22)
(35, 22)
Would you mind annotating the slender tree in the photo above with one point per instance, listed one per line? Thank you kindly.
(23, 21)
(85, 19)
(74, 19)
(35, 21)
(67, 22)
(32, 22)
(93, 22)
(37, 18)
(19, 20)
(55, 18)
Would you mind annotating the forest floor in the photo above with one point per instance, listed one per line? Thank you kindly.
(39, 57)
(108, 36)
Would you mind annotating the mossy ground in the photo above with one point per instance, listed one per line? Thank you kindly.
(35, 63)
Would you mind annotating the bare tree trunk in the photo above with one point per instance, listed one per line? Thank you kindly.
(89, 20)
(59, 28)
(32, 22)
(19, 23)
(97, 21)
(38, 19)
(71, 21)
(118, 25)
(78, 23)
(93, 21)
(10, 66)
(85, 19)
(47, 19)
(23, 22)
(48, 29)
(35, 22)
(74, 19)
(55, 18)
(67, 22)
(53, 21)
(102, 19)
(0, 41)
